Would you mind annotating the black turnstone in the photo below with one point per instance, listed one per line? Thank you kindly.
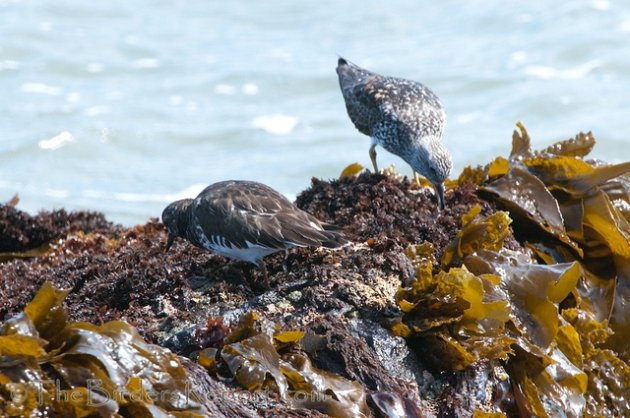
(403, 116)
(247, 221)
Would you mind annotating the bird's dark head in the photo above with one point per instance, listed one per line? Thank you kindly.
(434, 162)
(175, 218)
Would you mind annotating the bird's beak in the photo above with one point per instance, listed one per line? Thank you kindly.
(439, 191)
(169, 243)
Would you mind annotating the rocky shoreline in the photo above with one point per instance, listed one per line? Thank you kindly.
(517, 307)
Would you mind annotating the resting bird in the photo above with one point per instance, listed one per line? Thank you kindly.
(245, 220)
(404, 117)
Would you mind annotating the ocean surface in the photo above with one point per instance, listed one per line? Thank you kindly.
(124, 106)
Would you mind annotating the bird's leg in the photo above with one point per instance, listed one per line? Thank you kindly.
(373, 157)
(285, 261)
(265, 274)
(416, 178)
(263, 269)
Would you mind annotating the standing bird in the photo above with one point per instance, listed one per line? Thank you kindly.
(247, 221)
(403, 116)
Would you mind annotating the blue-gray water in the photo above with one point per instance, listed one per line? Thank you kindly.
(123, 106)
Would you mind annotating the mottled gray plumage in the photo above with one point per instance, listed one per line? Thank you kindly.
(403, 116)
(246, 220)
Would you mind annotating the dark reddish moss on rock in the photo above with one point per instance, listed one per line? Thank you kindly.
(125, 273)
(20, 231)
(377, 205)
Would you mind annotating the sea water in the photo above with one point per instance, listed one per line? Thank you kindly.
(123, 106)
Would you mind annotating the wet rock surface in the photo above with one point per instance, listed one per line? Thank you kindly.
(117, 273)
(125, 273)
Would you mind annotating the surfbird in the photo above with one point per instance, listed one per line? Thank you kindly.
(246, 220)
(403, 116)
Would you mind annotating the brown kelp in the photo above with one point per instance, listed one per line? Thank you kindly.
(52, 367)
(558, 315)
(259, 356)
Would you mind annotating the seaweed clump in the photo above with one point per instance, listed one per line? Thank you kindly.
(556, 315)
(50, 367)
(375, 207)
(20, 231)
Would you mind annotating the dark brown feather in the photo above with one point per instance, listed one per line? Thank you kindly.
(243, 211)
